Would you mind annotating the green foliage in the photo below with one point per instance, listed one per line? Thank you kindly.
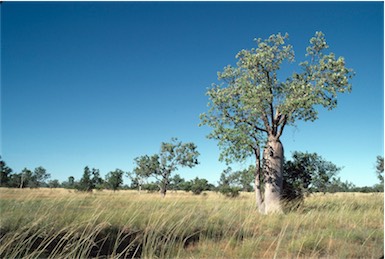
(135, 184)
(228, 184)
(85, 183)
(146, 166)
(322, 173)
(199, 185)
(39, 177)
(336, 185)
(54, 183)
(151, 187)
(368, 189)
(71, 180)
(171, 156)
(245, 178)
(90, 180)
(186, 186)
(70, 183)
(228, 191)
(97, 180)
(30, 179)
(15, 180)
(176, 182)
(237, 181)
(5, 173)
(26, 178)
(114, 179)
(305, 173)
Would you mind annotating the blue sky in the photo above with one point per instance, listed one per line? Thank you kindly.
(99, 84)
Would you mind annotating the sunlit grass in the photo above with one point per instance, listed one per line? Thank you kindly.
(60, 223)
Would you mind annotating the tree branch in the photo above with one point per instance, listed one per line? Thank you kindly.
(266, 122)
(270, 85)
(284, 121)
(256, 128)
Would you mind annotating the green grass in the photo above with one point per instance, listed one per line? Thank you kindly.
(60, 223)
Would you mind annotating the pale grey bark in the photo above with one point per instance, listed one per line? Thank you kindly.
(273, 169)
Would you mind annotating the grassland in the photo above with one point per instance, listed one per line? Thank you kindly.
(58, 223)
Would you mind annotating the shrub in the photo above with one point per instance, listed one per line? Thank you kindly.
(231, 192)
(199, 185)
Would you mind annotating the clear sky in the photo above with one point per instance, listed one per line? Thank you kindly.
(99, 84)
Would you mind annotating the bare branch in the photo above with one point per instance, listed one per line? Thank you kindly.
(282, 122)
(266, 122)
(256, 128)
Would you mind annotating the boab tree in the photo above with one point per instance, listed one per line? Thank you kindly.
(251, 107)
(171, 156)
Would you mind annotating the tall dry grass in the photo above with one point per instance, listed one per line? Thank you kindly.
(60, 223)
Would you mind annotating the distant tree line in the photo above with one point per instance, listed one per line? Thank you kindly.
(26, 178)
(305, 173)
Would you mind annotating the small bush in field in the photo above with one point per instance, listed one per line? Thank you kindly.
(231, 192)
(199, 185)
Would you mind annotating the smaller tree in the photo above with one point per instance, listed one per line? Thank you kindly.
(296, 178)
(227, 184)
(5, 174)
(15, 180)
(323, 174)
(26, 178)
(70, 183)
(145, 166)
(114, 179)
(54, 183)
(134, 183)
(172, 155)
(151, 187)
(97, 180)
(86, 183)
(199, 185)
(245, 178)
(336, 185)
(186, 186)
(307, 172)
(39, 177)
(176, 182)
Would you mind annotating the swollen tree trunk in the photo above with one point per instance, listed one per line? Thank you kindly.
(273, 169)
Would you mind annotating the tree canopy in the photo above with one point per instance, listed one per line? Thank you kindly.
(255, 101)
